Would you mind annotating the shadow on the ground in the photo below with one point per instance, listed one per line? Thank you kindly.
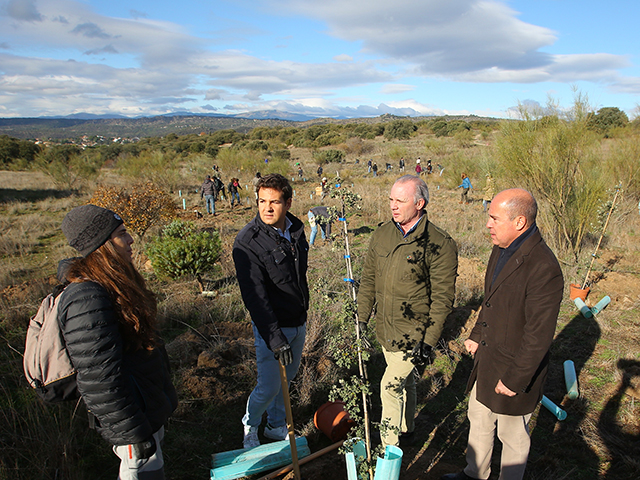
(558, 449)
(14, 195)
(622, 441)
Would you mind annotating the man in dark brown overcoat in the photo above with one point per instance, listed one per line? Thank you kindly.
(511, 338)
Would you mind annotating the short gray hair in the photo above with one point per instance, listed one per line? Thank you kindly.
(421, 189)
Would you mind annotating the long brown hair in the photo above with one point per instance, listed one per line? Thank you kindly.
(134, 303)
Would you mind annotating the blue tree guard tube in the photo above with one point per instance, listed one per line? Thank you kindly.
(388, 468)
(184, 204)
(354, 458)
(570, 379)
(559, 413)
(584, 310)
(598, 307)
(242, 463)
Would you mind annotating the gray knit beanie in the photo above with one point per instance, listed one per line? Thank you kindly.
(88, 227)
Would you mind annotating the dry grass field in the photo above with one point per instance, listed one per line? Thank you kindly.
(210, 341)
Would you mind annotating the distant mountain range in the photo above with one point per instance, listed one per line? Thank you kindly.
(117, 126)
(260, 115)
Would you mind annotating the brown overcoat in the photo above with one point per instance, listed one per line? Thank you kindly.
(516, 326)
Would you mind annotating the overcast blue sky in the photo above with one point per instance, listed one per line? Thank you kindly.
(321, 58)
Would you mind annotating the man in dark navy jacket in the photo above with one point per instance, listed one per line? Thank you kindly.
(270, 255)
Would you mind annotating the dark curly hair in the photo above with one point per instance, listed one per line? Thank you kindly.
(277, 182)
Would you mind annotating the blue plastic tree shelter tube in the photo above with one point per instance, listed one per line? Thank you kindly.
(584, 310)
(242, 463)
(559, 413)
(354, 458)
(388, 468)
(598, 307)
(243, 454)
(570, 379)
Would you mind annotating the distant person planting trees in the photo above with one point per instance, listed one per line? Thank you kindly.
(325, 226)
(270, 255)
(466, 186)
(409, 279)
(233, 187)
(208, 192)
(108, 320)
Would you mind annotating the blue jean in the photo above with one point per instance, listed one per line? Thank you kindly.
(235, 196)
(267, 394)
(314, 228)
(210, 203)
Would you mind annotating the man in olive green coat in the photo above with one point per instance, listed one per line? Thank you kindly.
(409, 279)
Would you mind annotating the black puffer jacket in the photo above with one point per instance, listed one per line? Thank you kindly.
(130, 393)
(272, 274)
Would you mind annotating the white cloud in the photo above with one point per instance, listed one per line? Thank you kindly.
(393, 88)
(467, 40)
(60, 56)
(343, 58)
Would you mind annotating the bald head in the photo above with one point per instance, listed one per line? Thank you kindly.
(518, 202)
(511, 214)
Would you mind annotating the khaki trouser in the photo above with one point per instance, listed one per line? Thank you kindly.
(398, 396)
(513, 432)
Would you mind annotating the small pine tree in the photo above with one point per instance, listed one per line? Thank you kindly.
(182, 250)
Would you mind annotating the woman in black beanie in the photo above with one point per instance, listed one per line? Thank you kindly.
(108, 319)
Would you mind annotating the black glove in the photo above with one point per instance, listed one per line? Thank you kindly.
(284, 354)
(421, 354)
(362, 333)
(144, 450)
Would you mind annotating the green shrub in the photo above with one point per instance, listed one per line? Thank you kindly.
(182, 250)
(328, 156)
(283, 154)
(606, 119)
(68, 165)
(556, 157)
(400, 129)
(152, 166)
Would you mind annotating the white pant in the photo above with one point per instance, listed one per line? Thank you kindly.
(132, 468)
(513, 432)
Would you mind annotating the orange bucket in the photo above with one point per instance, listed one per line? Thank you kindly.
(576, 291)
(333, 420)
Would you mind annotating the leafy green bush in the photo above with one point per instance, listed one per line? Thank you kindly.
(282, 154)
(13, 149)
(182, 250)
(606, 119)
(328, 156)
(68, 164)
(155, 166)
(400, 129)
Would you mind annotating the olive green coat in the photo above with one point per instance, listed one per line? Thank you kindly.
(410, 281)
